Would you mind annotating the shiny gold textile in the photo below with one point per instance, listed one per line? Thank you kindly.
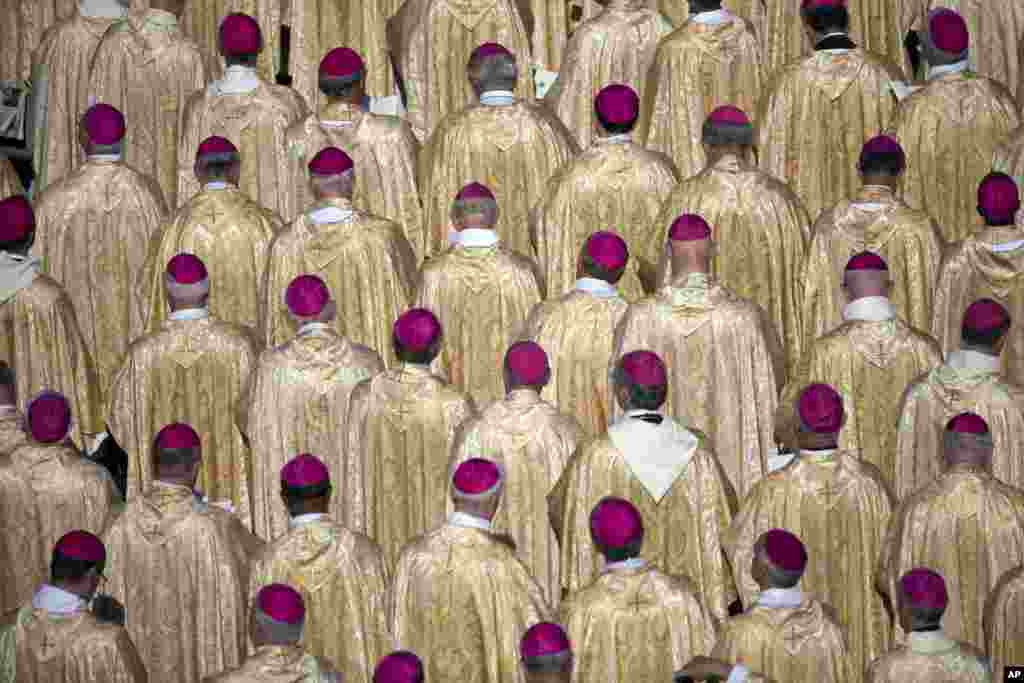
(384, 151)
(532, 441)
(430, 42)
(10, 182)
(870, 364)
(636, 625)
(232, 235)
(552, 26)
(618, 186)
(255, 123)
(200, 20)
(804, 643)
(514, 150)
(366, 262)
(191, 371)
(874, 220)
(41, 340)
(969, 527)
(697, 68)
(761, 233)
(950, 130)
(682, 532)
(342, 579)
(1009, 156)
(280, 664)
(576, 331)
(815, 116)
(182, 568)
(678, 11)
(462, 600)
(934, 658)
(401, 425)
(482, 296)
(724, 367)
(971, 271)
(933, 399)
(1004, 620)
(39, 647)
(297, 402)
(12, 429)
(92, 232)
(839, 506)
(46, 490)
(616, 46)
(23, 29)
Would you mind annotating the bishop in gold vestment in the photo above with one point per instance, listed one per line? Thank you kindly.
(667, 471)
(531, 441)
(966, 525)
(634, 622)
(401, 426)
(969, 381)
(615, 182)
(298, 399)
(182, 565)
(546, 654)
(339, 573)
(364, 258)
(10, 182)
(460, 596)
(200, 20)
(481, 291)
(1004, 620)
(21, 35)
(510, 145)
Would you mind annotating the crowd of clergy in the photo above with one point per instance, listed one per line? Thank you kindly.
(513, 341)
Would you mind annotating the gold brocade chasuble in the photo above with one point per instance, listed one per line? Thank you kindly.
(576, 331)
(636, 625)
(950, 130)
(384, 151)
(512, 149)
(682, 531)
(1004, 620)
(724, 365)
(189, 615)
(200, 21)
(874, 220)
(839, 506)
(191, 371)
(297, 402)
(280, 664)
(616, 46)
(462, 599)
(931, 656)
(10, 182)
(814, 117)
(137, 54)
(532, 441)
(401, 425)
(46, 490)
(979, 267)
(430, 42)
(21, 33)
(367, 264)
(231, 234)
(617, 186)
(760, 231)
(870, 364)
(482, 296)
(967, 526)
(12, 429)
(696, 69)
(343, 582)
(678, 11)
(1009, 156)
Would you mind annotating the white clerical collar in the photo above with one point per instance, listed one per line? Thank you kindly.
(619, 139)
(1003, 247)
(190, 314)
(870, 309)
(965, 359)
(330, 214)
(779, 598)
(631, 563)
(216, 185)
(303, 520)
(102, 9)
(595, 287)
(313, 327)
(57, 600)
(954, 68)
(238, 80)
(470, 521)
(497, 98)
(477, 237)
(929, 642)
(824, 454)
(103, 157)
(712, 18)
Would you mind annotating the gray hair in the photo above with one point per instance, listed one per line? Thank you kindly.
(495, 72)
(548, 664)
(279, 631)
(105, 149)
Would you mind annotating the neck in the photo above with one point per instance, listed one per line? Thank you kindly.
(888, 181)
(683, 268)
(328, 196)
(468, 508)
(1001, 224)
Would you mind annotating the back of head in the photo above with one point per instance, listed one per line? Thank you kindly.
(526, 365)
(546, 653)
(417, 336)
(866, 275)
(17, 225)
(641, 381)
(779, 559)
(48, 417)
(309, 300)
(103, 129)
(604, 257)
(75, 555)
(617, 108)
(400, 666)
(825, 16)
(240, 40)
(690, 245)
(946, 39)
(476, 486)
(332, 174)
(728, 126)
(217, 159)
(985, 325)
(617, 529)
(967, 441)
(474, 207)
(279, 614)
(186, 281)
(492, 67)
(177, 452)
(341, 74)
(820, 409)
(305, 485)
(921, 599)
(882, 156)
(998, 199)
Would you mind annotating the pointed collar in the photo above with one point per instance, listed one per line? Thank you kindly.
(870, 309)
(730, 163)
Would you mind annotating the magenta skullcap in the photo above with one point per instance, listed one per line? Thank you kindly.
(474, 191)
(543, 640)
(417, 329)
(476, 476)
(948, 30)
(399, 667)
(784, 550)
(607, 250)
(924, 589)
(866, 260)
(306, 296)
(304, 470)
(81, 545)
(615, 523)
(216, 147)
(617, 104)
(527, 362)
(281, 603)
(17, 219)
(240, 35)
(49, 417)
(186, 269)
(821, 409)
(342, 63)
(728, 115)
(985, 315)
(177, 435)
(330, 161)
(489, 50)
(882, 145)
(689, 227)
(999, 197)
(103, 124)
(967, 423)
(644, 368)
(809, 5)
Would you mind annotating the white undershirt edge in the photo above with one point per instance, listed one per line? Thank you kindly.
(965, 359)
(103, 157)
(330, 214)
(237, 80)
(469, 521)
(631, 563)
(190, 314)
(102, 9)
(303, 520)
(595, 287)
(779, 598)
(954, 68)
(477, 237)
(497, 98)
(870, 309)
(713, 18)
(310, 328)
(619, 139)
(215, 185)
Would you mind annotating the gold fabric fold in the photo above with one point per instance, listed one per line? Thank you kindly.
(12, 430)
(280, 664)
(10, 182)
(23, 31)
(678, 11)
(200, 21)
(1009, 156)
(1004, 620)
(952, 661)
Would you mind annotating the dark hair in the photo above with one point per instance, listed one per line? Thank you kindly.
(641, 397)
(720, 134)
(7, 376)
(616, 128)
(783, 578)
(889, 163)
(422, 357)
(923, 617)
(335, 87)
(601, 273)
(19, 246)
(825, 19)
(241, 60)
(217, 169)
(296, 496)
(988, 338)
(547, 664)
(175, 457)
(626, 552)
(63, 568)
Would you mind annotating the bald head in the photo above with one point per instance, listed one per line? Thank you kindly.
(859, 284)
